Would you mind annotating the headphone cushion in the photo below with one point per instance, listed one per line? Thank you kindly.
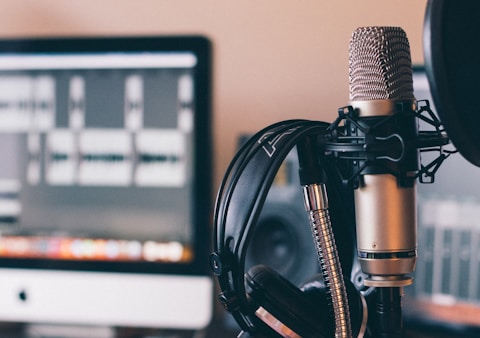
(287, 303)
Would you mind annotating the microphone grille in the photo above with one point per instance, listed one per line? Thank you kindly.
(380, 65)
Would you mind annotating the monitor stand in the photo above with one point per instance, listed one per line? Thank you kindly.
(67, 331)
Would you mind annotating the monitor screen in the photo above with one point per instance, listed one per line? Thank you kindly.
(105, 181)
(446, 289)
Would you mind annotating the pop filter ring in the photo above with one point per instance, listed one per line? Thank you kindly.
(452, 66)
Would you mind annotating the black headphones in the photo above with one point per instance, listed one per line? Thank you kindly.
(264, 303)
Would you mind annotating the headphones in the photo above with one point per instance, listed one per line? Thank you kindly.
(264, 303)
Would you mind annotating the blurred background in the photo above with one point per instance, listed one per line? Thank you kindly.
(273, 60)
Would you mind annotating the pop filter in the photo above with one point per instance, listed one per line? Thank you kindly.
(452, 62)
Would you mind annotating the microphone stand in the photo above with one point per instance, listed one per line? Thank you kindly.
(388, 311)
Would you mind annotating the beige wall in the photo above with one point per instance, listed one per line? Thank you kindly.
(274, 59)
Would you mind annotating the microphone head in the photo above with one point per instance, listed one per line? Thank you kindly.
(380, 66)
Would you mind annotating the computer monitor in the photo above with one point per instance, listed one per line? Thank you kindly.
(105, 179)
(446, 289)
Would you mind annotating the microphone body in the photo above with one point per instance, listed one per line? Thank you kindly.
(386, 229)
(381, 94)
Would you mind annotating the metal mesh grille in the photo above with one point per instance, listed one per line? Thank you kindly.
(380, 65)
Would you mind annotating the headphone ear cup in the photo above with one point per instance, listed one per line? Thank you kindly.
(283, 306)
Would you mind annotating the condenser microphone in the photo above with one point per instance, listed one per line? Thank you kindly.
(381, 94)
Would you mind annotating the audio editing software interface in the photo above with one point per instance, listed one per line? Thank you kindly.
(448, 266)
(96, 156)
